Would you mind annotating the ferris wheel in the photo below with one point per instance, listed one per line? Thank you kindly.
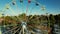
(20, 5)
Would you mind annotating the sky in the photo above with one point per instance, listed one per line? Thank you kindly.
(51, 7)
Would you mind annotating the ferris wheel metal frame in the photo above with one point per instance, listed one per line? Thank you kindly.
(7, 7)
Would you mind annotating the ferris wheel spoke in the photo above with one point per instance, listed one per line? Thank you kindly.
(29, 1)
(32, 15)
(8, 25)
(14, 13)
(10, 30)
(20, 31)
(16, 30)
(22, 7)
